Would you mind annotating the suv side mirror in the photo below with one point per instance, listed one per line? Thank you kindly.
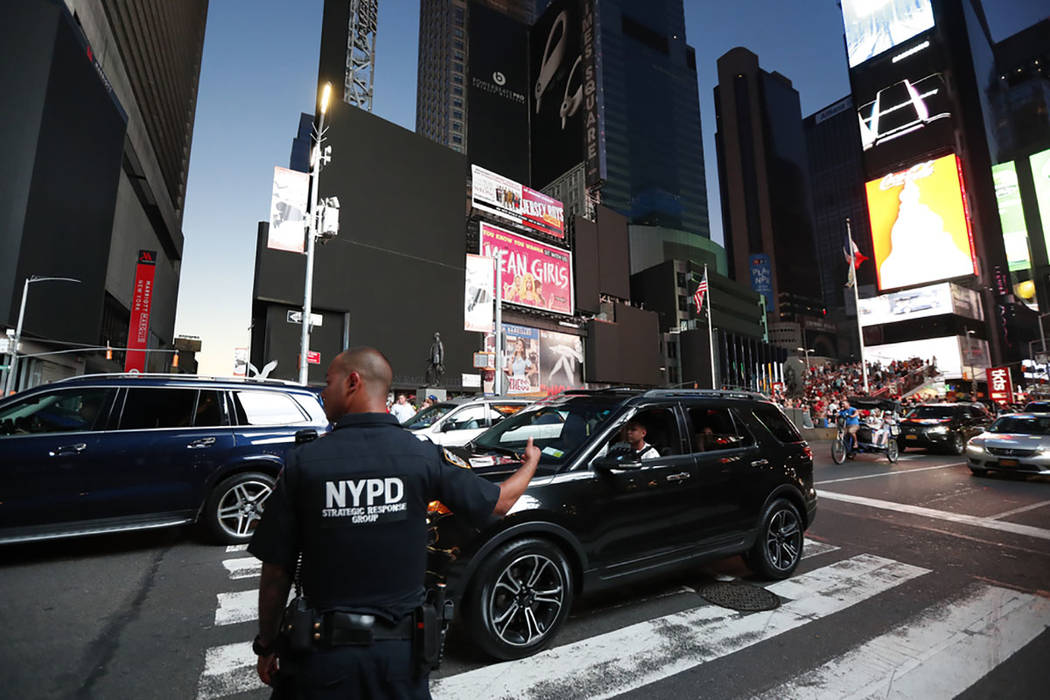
(623, 462)
(448, 425)
(304, 436)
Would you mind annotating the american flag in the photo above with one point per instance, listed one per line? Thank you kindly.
(701, 290)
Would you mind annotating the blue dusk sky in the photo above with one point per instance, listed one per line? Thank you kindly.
(258, 74)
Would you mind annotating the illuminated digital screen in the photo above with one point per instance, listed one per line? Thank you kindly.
(1011, 215)
(1041, 175)
(953, 353)
(875, 26)
(919, 225)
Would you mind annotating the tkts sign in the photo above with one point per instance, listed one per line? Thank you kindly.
(1000, 390)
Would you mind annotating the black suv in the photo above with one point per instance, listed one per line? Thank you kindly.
(107, 453)
(944, 426)
(729, 474)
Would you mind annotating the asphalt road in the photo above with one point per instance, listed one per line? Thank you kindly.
(920, 581)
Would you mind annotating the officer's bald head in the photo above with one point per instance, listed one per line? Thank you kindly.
(358, 381)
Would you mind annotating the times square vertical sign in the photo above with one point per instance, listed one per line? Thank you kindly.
(594, 127)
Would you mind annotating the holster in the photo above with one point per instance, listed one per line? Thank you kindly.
(432, 621)
(297, 627)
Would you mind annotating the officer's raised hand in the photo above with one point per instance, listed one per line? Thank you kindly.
(512, 489)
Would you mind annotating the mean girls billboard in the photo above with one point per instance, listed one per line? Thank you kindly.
(534, 275)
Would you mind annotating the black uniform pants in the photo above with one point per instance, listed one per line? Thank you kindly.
(381, 670)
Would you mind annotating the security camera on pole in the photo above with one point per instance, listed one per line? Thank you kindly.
(323, 222)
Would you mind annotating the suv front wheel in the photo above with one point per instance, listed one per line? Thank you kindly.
(235, 506)
(778, 548)
(519, 599)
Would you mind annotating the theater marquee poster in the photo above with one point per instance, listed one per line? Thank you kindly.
(534, 274)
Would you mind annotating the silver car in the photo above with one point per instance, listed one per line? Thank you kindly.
(1017, 442)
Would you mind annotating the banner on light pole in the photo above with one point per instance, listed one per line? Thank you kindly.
(142, 299)
(291, 190)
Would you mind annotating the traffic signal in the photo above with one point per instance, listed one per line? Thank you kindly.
(175, 360)
(109, 351)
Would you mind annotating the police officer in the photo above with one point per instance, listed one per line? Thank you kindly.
(353, 505)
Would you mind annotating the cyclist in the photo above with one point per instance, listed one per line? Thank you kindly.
(851, 418)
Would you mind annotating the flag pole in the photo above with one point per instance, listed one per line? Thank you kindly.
(856, 305)
(710, 332)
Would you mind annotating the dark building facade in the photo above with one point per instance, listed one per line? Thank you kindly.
(762, 169)
(96, 171)
(836, 179)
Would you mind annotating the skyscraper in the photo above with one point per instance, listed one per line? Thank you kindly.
(762, 170)
(441, 90)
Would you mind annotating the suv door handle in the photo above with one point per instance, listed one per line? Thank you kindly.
(65, 450)
(759, 462)
(680, 476)
(203, 442)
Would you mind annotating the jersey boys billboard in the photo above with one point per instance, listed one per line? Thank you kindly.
(919, 225)
(534, 275)
(514, 202)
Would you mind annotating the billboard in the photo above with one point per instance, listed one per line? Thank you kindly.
(920, 226)
(1011, 215)
(1000, 389)
(1041, 175)
(875, 26)
(902, 306)
(497, 91)
(514, 202)
(566, 94)
(534, 275)
(142, 300)
(288, 204)
(913, 113)
(479, 291)
(952, 354)
(538, 362)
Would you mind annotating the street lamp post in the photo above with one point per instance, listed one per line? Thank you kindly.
(973, 374)
(805, 352)
(12, 371)
(318, 157)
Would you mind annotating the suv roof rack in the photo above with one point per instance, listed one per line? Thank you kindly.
(168, 375)
(708, 393)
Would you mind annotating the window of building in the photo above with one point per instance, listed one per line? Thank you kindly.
(457, 79)
(456, 114)
(456, 126)
(457, 103)
(457, 90)
(457, 139)
(683, 303)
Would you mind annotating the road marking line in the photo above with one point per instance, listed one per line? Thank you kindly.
(237, 548)
(640, 654)
(973, 520)
(228, 670)
(813, 548)
(232, 608)
(903, 471)
(245, 567)
(939, 654)
(1022, 509)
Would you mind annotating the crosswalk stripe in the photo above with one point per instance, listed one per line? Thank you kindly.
(228, 670)
(236, 548)
(1015, 528)
(813, 548)
(244, 567)
(241, 606)
(939, 654)
(651, 651)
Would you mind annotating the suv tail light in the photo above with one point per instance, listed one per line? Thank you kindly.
(807, 452)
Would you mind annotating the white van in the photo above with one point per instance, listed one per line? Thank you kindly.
(456, 422)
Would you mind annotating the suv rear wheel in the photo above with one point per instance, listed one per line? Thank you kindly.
(778, 549)
(519, 599)
(957, 445)
(235, 506)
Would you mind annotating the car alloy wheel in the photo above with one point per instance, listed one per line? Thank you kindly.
(958, 444)
(778, 548)
(236, 506)
(519, 598)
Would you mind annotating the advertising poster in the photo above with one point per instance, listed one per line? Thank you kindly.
(542, 213)
(478, 294)
(762, 279)
(874, 26)
(291, 190)
(902, 306)
(521, 359)
(561, 362)
(514, 202)
(534, 275)
(919, 225)
(138, 324)
(1041, 175)
(240, 362)
(495, 194)
(1011, 215)
(1000, 389)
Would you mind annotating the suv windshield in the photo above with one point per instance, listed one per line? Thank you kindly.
(428, 416)
(933, 412)
(559, 427)
(1021, 425)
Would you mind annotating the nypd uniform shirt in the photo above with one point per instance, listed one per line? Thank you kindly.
(354, 503)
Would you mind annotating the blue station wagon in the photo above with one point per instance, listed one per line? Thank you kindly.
(115, 452)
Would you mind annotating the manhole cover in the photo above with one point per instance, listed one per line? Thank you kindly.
(737, 595)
